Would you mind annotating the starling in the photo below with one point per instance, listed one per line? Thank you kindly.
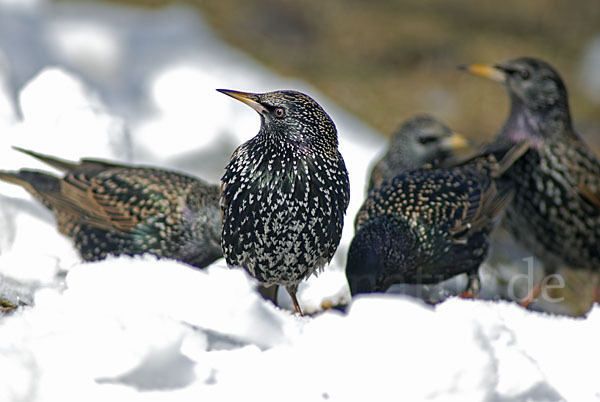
(284, 192)
(427, 225)
(111, 209)
(419, 141)
(555, 213)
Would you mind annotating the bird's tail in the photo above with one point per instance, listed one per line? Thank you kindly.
(86, 164)
(38, 184)
(57, 163)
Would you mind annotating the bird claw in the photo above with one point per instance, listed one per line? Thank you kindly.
(531, 295)
(468, 294)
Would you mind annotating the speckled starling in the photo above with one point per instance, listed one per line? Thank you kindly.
(284, 192)
(556, 209)
(426, 225)
(419, 141)
(111, 209)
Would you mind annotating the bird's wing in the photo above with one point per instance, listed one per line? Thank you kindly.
(592, 194)
(512, 154)
(496, 157)
(480, 209)
(582, 169)
(122, 199)
(72, 200)
(88, 200)
(588, 177)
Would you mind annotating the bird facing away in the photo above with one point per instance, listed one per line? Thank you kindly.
(556, 209)
(427, 225)
(419, 141)
(284, 192)
(112, 209)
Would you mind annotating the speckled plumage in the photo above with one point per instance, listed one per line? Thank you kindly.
(284, 192)
(419, 141)
(556, 209)
(426, 225)
(112, 209)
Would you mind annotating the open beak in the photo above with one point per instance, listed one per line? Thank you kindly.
(485, 71)
(457, 143)
(248, 98)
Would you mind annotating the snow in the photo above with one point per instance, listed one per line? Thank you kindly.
(139, 86)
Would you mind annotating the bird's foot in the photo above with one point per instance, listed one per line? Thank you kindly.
(531, 295)
(468, 294)
(473, 287)
(291, 289)
(596, 284)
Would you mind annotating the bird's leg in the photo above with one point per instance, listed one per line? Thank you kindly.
(596, 285)
(473, 287)
(531, 295)
(291, 289)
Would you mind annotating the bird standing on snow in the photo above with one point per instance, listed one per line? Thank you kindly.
(427, 225)
(111, 209)
(284, 192)
(556, 209)
(419, 141)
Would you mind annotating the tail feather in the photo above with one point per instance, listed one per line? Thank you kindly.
(60, 164)
(68, 166)
(38, 184)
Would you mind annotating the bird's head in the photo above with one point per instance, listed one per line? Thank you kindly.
(538, 94)
(531, 83)
(424, 139)
(291, 116)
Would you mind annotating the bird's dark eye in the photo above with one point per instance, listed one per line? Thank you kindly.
(524, 74)
(427, 140)
(279, 112)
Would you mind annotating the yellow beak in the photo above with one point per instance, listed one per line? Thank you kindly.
(248, 98)
(457, 142)
(485, 71)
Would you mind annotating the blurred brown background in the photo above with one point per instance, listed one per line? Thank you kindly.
(385, 60)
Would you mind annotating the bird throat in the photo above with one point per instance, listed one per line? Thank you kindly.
(522, 126)
(536, 125)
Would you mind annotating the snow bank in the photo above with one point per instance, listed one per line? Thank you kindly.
(143, 329)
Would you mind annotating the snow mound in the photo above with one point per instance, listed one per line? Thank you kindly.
(138, 326)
